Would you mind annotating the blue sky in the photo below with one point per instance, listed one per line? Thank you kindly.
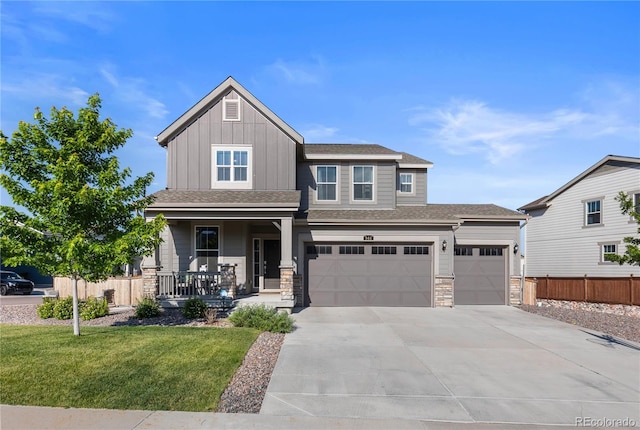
(508, 100)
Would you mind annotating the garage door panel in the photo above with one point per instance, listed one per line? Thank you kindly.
(480, 279)
(369, 279)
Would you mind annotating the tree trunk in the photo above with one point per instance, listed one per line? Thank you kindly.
(76, 315)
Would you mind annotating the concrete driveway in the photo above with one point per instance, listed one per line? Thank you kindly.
(492, 364)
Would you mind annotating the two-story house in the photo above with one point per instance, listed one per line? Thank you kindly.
(571, 231)
(318, 224)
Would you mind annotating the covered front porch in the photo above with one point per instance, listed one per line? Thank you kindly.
(224, 252)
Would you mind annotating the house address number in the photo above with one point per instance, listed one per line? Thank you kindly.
(368, 237)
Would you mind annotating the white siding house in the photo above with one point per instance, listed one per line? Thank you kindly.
(571, 230)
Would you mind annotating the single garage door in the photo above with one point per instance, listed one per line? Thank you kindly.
(480, 275)
(343, 274)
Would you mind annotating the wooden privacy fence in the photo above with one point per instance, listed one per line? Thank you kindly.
(624, 291)
(119, 291)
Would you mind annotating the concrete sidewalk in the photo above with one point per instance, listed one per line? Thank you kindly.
(41, 418)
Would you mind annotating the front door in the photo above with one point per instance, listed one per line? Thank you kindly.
(271, 264)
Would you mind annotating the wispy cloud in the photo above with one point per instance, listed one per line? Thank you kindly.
(300, 72)
(46, 86)
(317, 132)
(470, 126)
(93, 15)
(132, 91)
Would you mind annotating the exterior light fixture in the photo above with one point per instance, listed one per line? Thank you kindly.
(515, 248)
(444, 245)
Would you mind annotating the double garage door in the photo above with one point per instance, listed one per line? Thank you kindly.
(480, 275)
(345, 274)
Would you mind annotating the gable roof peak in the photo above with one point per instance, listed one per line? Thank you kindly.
(207, 101)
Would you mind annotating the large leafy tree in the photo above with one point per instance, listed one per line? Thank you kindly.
(632, 253)
(84, 215)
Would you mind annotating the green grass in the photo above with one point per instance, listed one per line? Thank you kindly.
(149, 368)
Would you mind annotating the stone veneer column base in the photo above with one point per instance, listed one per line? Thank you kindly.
(150, 281)
(443, 292)
(286, 285)
(515, 291)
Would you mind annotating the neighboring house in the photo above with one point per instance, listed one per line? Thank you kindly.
(318, 224)
(570, 231)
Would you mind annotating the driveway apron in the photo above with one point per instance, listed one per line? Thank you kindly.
(492, 364)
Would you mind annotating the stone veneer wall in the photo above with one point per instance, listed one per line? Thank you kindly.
(443, 291)
(286, 283)
(150, 281)
(515, 291)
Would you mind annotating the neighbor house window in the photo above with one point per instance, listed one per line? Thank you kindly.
(636, 202)
(608, 249)
(593, 212)
(231, 110)
(207, 246)
(232, 167)
(363, 183)
(406, 183)
(327, 183)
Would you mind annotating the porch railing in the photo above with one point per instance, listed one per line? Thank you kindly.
(190, 284)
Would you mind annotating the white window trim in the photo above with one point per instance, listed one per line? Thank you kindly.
(194, 241)
(315, 193)
(374, 185)
(231, 185)
(226, 101)
(601, 245)
(632, 194)
(586, 214)
(413, 184)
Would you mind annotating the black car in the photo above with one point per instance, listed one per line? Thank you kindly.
(11, 282)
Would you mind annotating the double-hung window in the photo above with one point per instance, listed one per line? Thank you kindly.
(593, 212)
(363, 183)
(406, 183)
(327, 183)
(232, 167)
(207, 246)
(608, 249)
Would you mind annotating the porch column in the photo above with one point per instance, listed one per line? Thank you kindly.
(286, 261)
(150, 269)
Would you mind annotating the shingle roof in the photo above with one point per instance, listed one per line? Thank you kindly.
(412, 159)
(347, 149)
(538, 203)
(225, 198)
(423, 214)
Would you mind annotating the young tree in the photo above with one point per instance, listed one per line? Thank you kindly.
(85, 214)
(632, 254)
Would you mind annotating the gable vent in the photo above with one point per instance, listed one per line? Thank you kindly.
(231, 110)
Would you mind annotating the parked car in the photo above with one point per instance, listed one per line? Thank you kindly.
(11, 282)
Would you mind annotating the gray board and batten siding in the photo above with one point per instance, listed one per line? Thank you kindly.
(189, 158)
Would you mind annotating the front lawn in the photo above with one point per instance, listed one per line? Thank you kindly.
(151, 368)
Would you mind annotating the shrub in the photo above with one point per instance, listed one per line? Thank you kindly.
(45, 310)
(211, 314)
(263, 318)
(147, 308)
(63, 309)
(94, 308)
(194, 307)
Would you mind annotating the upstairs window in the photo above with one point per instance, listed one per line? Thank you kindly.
(232, 167)
(327, 183)
(593, 212)
(363, 183)
(406, 183)
(231, 110)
